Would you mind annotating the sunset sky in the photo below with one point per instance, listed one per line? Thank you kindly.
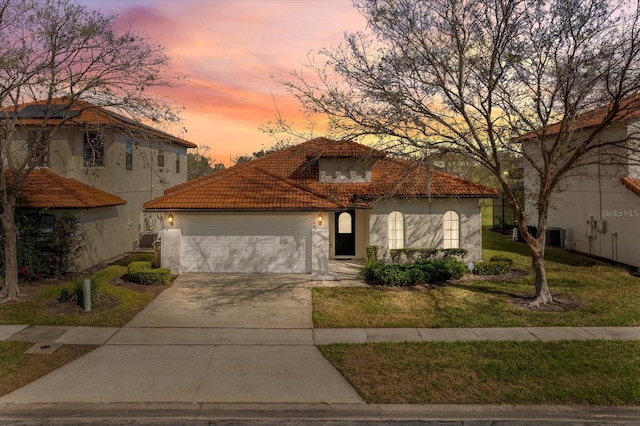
(229, 50)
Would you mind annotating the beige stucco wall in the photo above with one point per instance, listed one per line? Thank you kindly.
(111, 234)
(587, 198)
(423, 223)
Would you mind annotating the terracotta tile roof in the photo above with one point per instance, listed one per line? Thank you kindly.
(249, 189)
(85, 113)
(628, 110)
(289, 179)
(327, 148)
(632, 184)
(45, 189)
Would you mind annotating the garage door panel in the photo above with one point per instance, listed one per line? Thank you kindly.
(245, 243)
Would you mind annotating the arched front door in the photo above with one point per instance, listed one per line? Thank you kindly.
(345, 233)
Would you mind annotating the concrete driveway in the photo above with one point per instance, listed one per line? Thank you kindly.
(207, 339)
(231, 301)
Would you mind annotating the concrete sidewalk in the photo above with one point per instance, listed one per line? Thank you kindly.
(299, 336)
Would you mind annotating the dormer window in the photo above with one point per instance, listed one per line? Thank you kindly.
(344, 170)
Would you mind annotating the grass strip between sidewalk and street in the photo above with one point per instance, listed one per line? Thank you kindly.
(603, 373)
(17, 368)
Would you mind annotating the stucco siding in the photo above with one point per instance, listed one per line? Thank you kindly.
(102, 237)
(600, 216)
(423, 223)
(146, 180)
(582, 212)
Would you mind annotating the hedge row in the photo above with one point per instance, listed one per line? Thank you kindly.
(409, 255)
(142, 273)
(422, 271)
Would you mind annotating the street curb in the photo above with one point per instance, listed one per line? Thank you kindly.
(516, 414)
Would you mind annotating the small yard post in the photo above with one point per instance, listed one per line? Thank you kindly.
(86, 287)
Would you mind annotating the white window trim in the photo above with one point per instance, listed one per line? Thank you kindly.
(448, 241)
(395, 230)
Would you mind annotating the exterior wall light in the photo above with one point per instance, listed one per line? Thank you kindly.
(170, 219)
(320, 219)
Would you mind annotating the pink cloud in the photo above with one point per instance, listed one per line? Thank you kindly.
(229, 50)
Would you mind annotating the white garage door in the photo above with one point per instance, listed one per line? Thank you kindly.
(246, 242)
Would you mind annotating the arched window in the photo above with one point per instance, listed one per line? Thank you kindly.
(344, 223)
(395, 227)
(451, 228)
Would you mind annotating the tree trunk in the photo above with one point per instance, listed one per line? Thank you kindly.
(543, 295)
(537, 246)
(10, 289)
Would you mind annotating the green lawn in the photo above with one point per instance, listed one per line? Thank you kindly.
(43, 308)
(568, 373)
(604, 295)
(17, 368)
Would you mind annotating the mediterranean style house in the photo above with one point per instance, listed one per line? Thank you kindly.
(103, 167)
(293, 210)
(597, 208)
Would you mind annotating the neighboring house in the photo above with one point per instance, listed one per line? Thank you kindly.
(293, 210)
(128, 161)
(45, 196)
(596, 210)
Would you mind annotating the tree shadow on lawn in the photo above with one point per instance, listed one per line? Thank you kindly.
(562, 302)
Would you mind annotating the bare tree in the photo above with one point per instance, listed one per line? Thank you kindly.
(482, 78)
(54, 55)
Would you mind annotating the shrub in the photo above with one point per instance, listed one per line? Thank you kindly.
(396, 255)
(138, 266)
(420, 272)
(66, 243)
(441, 270)
(504, 259)
(428, 253)
(372, 253)
(141, 272)
(492, 267)
(394, 276)
(45, 254)
(457, 253)
(370, 272)
(409, 255)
